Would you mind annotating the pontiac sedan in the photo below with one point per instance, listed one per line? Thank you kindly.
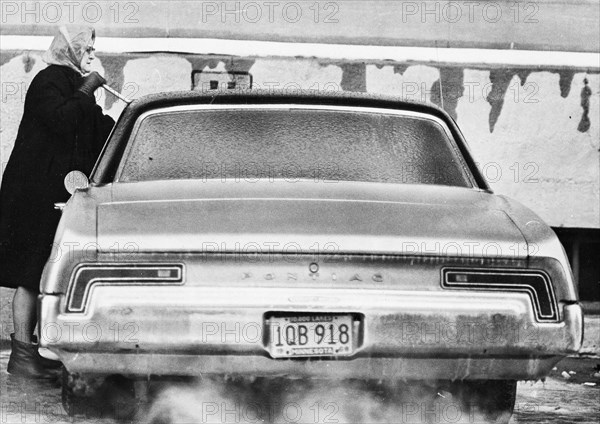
(336, 236)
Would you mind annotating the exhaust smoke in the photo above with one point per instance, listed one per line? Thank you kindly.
(304, 401)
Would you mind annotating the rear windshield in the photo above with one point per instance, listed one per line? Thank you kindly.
(293, 144)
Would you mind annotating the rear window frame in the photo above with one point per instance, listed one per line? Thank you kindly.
(471, 180)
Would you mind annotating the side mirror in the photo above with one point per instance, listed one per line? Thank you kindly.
(76, 180)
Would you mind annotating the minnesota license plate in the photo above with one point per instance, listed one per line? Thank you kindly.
(311, 335)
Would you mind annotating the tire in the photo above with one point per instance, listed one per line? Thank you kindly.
(79, 395)
(494, 399)
(98, 397)
(119, 398)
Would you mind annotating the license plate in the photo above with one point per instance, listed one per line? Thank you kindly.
(311, 335)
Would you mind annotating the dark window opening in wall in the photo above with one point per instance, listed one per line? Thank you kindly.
(209, 80)
(583, 249)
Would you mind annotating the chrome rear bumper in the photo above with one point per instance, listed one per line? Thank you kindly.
(402, 334)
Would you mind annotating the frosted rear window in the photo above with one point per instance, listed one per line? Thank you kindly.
(252, 144)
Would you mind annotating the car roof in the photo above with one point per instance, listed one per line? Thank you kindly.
(295, 96)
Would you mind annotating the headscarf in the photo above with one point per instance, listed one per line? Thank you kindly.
(69, 45)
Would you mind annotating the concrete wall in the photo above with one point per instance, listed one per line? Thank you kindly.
(498, 24)
(535, 132)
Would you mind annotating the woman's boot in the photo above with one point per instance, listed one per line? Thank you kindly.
(24, 361)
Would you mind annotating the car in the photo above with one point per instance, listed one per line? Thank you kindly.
(301, 235)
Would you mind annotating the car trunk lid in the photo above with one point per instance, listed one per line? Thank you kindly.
(401, 223)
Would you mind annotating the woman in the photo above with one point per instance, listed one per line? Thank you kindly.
(62, 129)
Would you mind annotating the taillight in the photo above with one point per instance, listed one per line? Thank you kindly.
(87, 276)
(533, 282)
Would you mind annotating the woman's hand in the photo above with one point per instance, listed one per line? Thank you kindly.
(91, 82)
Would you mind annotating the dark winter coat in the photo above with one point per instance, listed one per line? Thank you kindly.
(61, 130)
